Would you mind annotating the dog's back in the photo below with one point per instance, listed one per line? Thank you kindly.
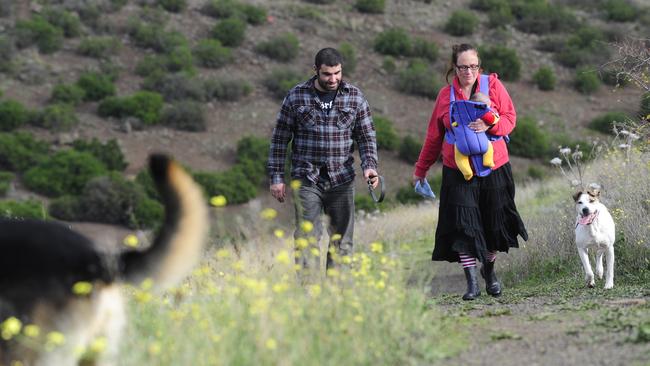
(40, 263)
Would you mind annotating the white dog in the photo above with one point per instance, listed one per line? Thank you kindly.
(594, 229)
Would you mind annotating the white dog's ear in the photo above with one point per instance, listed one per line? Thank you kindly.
(576, 196)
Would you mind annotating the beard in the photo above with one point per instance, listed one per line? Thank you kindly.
(326, 86)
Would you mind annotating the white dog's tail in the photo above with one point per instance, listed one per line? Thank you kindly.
(180, 241)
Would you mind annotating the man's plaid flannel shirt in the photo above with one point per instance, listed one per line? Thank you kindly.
(322, 139)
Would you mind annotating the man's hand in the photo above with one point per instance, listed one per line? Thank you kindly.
(278, 191)
(372, 177)
(416, 179)
(478, 126)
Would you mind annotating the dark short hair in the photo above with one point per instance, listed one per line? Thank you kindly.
(455, 50)
(329, 57)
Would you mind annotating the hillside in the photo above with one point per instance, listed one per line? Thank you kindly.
(34, 74)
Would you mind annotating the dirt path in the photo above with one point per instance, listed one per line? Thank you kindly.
(559, 324)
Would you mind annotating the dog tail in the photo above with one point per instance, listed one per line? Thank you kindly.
(180, 241)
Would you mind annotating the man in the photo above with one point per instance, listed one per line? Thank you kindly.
(322, 118)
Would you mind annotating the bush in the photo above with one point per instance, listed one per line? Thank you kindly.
(280, 81)
(228, 90)
(395, 42)
(613, 78)
(409, 149)
(349, 57)
(151, 36)
(252, 14)
(210, 53)
(12, 115)
(30, 209)
(231, 32)
(95, 86)
(541, 17)
(363, 202)
(406, 195)
(461, 23)
(418, 79)
(527, 140)
(19, 151)
(67, 93)
(552, 44)
(175, 86)
(47, 37)
(67, 172)
(386, 135)
(619, 11)
(174, 6)
(370, 6)
(582, 47)
(424, 49)
(232, 184)
(98, 47)
(252, 154)
(185, 115)
(644, 110)
(605, 122)
(282, 48)
(586, 80)
(502, 60)
(109, 153)
(544, 78)
(57, 117)
(65, 20)
(500, 15)
(144, 105)
(179, 59)
(7, 53)
(5, 182)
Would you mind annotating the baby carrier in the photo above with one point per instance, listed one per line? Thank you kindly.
(467, 141)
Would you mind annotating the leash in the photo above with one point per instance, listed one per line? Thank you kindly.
(382, 188)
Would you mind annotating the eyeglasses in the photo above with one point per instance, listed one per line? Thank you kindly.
(467, 67)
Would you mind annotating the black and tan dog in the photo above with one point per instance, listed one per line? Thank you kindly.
(40, 263)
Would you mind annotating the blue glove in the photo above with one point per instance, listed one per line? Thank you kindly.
(424, 189)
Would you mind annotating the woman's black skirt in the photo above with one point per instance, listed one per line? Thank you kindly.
(477, 216)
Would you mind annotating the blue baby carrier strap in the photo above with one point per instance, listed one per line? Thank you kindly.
(484, 87)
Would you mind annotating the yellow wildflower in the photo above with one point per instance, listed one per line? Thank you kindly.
(271, 344)
(82, 288)
(283, 257)
(10, 327)
(279, 233)
(301, 243)
(154, 348)
(55, 339)
(98, 345)
(269, 214)
(376, 247)
(306, 226)
(131, 241)
(336, 237)
(32, 330)
(222, 253)
(315, 252)
(295, 184)
(218, 201)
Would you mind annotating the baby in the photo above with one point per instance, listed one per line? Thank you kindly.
(491, 118)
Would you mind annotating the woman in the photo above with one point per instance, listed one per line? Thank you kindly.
(477, 217)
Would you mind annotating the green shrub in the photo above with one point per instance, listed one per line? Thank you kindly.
(502, 60)
(551, 44)
(144, 105)
(320, 1)
(485, 5)
(395, 42)
(536, 172)
(184, 115)
(109, 153)
(232, 184)
(19, 151)
(388, 64)
(586, 80)
(66, 172)
(231, 32)
(542, 17)
(98, 47)
(254, 15)
(96, 86)
(349, 57)
(363, 202)
(175, 86)
(409, 149)
(605, 122)
(418, 79)
(179, 59)
(619, 10)
(386, 135)
(424, 49)
(500, 15)
(57, 117)
(282, 48)
(151, 65)
(582, 47)
(461, 23)
(406, 195)
(252, 153)
(280, 81)
(370, 6)
(210, 53)
(613, 78)
(544, 77)
(5, 182)
(228, 90)
(29, 209)
(644, 110)
(67, 93)
(67, 208)
(65, 20)
(12, 115)
(151, 36)
(47, 37)
(7, 53)
(174, 6)
(528, 140)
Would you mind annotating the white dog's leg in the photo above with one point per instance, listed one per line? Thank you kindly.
(599, 263)
(609, 276)
(589, 274)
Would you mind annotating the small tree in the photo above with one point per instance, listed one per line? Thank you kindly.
(586, 80)
(461, 23)
(544, 78)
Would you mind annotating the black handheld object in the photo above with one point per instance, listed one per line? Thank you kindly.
(382, 190)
